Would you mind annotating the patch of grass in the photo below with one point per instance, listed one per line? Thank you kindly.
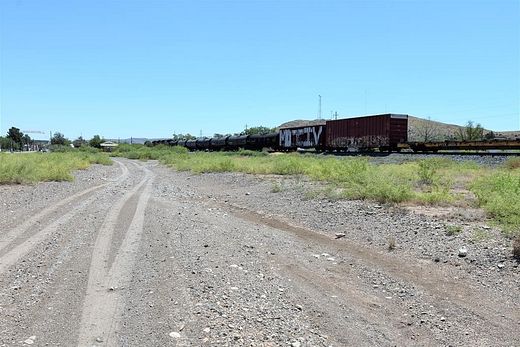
(512, 163)
(480, 235)
(452, 230)
(38, 167)
(499, 194)
(276, 187)
(435, 181)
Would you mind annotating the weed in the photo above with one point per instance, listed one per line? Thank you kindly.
(427, 170)
(499, 195)
(480, 235)
(512, 163)
(452, 230)
(276, 187)
(391, 243)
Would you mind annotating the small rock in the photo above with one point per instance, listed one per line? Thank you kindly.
(296, 344)
(30, 340)
(463, 251)
(99, 339)
(443, 319)
(248, 193)
(175, 335)
(500, 265)
(339, 235)
(206, 330)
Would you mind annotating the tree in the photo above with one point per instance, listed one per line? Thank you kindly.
(80, 141)
(470, 132)
(59, 139)
(96, 141)
(5, 143)
(187, 136)
(259, 130)
(426, 131)
(15, 135)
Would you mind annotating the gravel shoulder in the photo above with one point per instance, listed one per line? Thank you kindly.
(137, 254)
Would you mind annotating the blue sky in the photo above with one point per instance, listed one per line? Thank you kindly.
(148, 68)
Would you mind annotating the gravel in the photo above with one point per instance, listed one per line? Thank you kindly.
(223, 260)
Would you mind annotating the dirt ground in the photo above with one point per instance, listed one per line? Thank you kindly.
(137, 254)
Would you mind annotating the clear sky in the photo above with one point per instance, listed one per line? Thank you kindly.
(148, 68)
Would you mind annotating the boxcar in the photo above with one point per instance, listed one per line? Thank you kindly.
(384, 132)
(312, 136)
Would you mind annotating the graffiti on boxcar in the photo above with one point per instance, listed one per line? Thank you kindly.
(371, 141)
(301, 137)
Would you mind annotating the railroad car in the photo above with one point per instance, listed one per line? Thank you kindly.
(305, 137)
(384, 132)
(218, 143)
(236, 142)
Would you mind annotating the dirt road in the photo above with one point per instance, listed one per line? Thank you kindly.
(139, 255)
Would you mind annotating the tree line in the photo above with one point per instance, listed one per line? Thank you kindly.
(16, 140)
(259, 130)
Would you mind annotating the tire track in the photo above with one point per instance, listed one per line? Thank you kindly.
(432, 281)
(104, 300)
(10, 257)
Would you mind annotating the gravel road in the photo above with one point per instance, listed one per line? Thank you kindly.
(135, 254)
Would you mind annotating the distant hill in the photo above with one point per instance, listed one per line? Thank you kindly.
(302, 123)
(420, 129)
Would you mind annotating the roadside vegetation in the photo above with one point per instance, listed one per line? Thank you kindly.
(38, 167)
(435, 181)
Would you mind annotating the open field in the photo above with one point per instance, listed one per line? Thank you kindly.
(431, 181)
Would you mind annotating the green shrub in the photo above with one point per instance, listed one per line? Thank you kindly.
(453, 230)
(499, 195)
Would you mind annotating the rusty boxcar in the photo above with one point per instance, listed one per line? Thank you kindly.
(384, 132)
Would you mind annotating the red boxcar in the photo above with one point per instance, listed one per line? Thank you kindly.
(384, 131)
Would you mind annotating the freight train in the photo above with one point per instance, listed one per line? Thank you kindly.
(382, 132)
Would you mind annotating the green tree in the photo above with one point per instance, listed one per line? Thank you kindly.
(5, 143)
(15, 135)
(471, 132)
(79, 142)
(187, 136)
(259, 130)
(59, 139)
(96, 141)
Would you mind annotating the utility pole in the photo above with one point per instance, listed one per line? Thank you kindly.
(319, 106)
